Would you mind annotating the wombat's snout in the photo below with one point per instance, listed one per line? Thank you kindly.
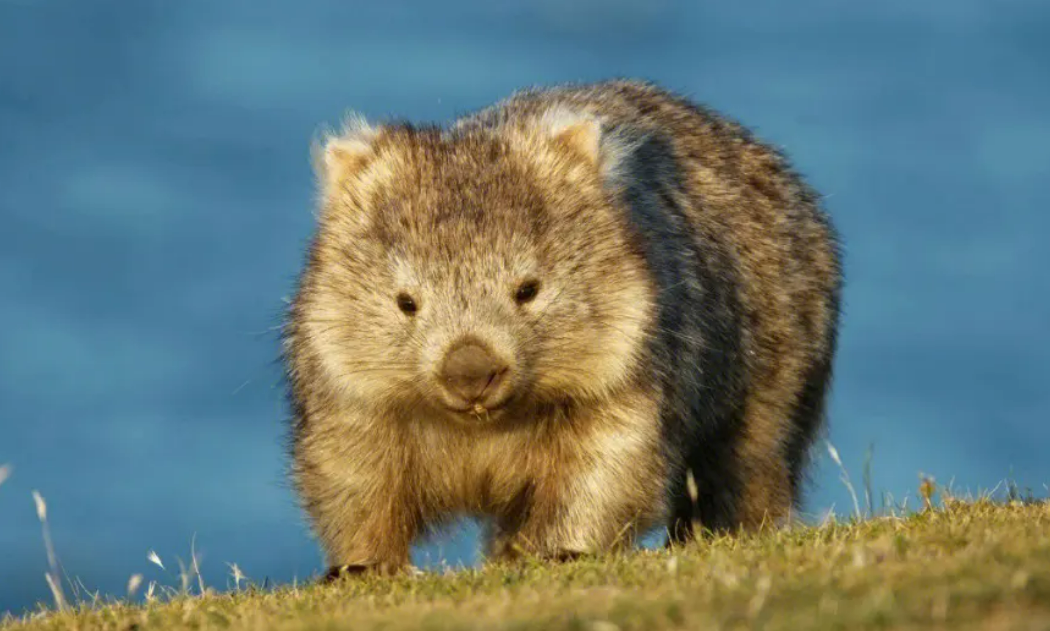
(472, 375)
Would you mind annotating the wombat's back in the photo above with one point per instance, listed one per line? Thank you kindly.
(749, 276)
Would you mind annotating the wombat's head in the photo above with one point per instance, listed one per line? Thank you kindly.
(471, 271)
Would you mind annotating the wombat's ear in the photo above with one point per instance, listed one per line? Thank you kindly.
(574, 131)
(338, 157)
(582, 137)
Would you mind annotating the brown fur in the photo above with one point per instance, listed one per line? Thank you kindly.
(580, 458)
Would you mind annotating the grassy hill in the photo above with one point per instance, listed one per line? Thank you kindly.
(965, 565)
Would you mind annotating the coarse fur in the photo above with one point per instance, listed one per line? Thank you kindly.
(646, 290)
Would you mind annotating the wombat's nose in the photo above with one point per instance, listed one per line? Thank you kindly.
(471, 372)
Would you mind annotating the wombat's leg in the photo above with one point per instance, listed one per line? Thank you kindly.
(595, 494)
(564, 522)
(364, 532)
(767, 491)
(363, 511)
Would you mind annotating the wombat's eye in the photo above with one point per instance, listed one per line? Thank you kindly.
(406, 304)
(527, 291)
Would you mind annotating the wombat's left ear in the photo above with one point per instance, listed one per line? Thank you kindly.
(338, 157)
(583, 137)
(573, 131)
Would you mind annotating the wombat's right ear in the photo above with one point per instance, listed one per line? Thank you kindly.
(341, 156)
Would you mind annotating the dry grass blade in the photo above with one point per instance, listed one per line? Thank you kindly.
(236, 574)
(195, 562)
(834, 453)
(54, 581)
(133, 584)
(41, 507)
(152, 557)
(56, 591)
(694, 499)
(927, 490)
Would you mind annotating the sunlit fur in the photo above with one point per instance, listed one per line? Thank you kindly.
(610, 395)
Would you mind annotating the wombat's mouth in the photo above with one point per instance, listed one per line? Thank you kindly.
(477, 412)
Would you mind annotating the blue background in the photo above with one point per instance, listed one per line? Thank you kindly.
(156, 196)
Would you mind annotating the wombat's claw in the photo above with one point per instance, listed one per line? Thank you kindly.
(567, 556)
(337, 572)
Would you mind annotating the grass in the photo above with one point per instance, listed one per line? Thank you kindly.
(953, 565)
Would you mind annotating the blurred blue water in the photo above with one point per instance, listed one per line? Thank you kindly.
(155, 198)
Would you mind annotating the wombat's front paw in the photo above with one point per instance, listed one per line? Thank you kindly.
(567, 556)
(339, 572)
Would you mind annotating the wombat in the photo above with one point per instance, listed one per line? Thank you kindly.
(551, 314)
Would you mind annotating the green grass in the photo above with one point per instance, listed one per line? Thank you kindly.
(963, 565)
